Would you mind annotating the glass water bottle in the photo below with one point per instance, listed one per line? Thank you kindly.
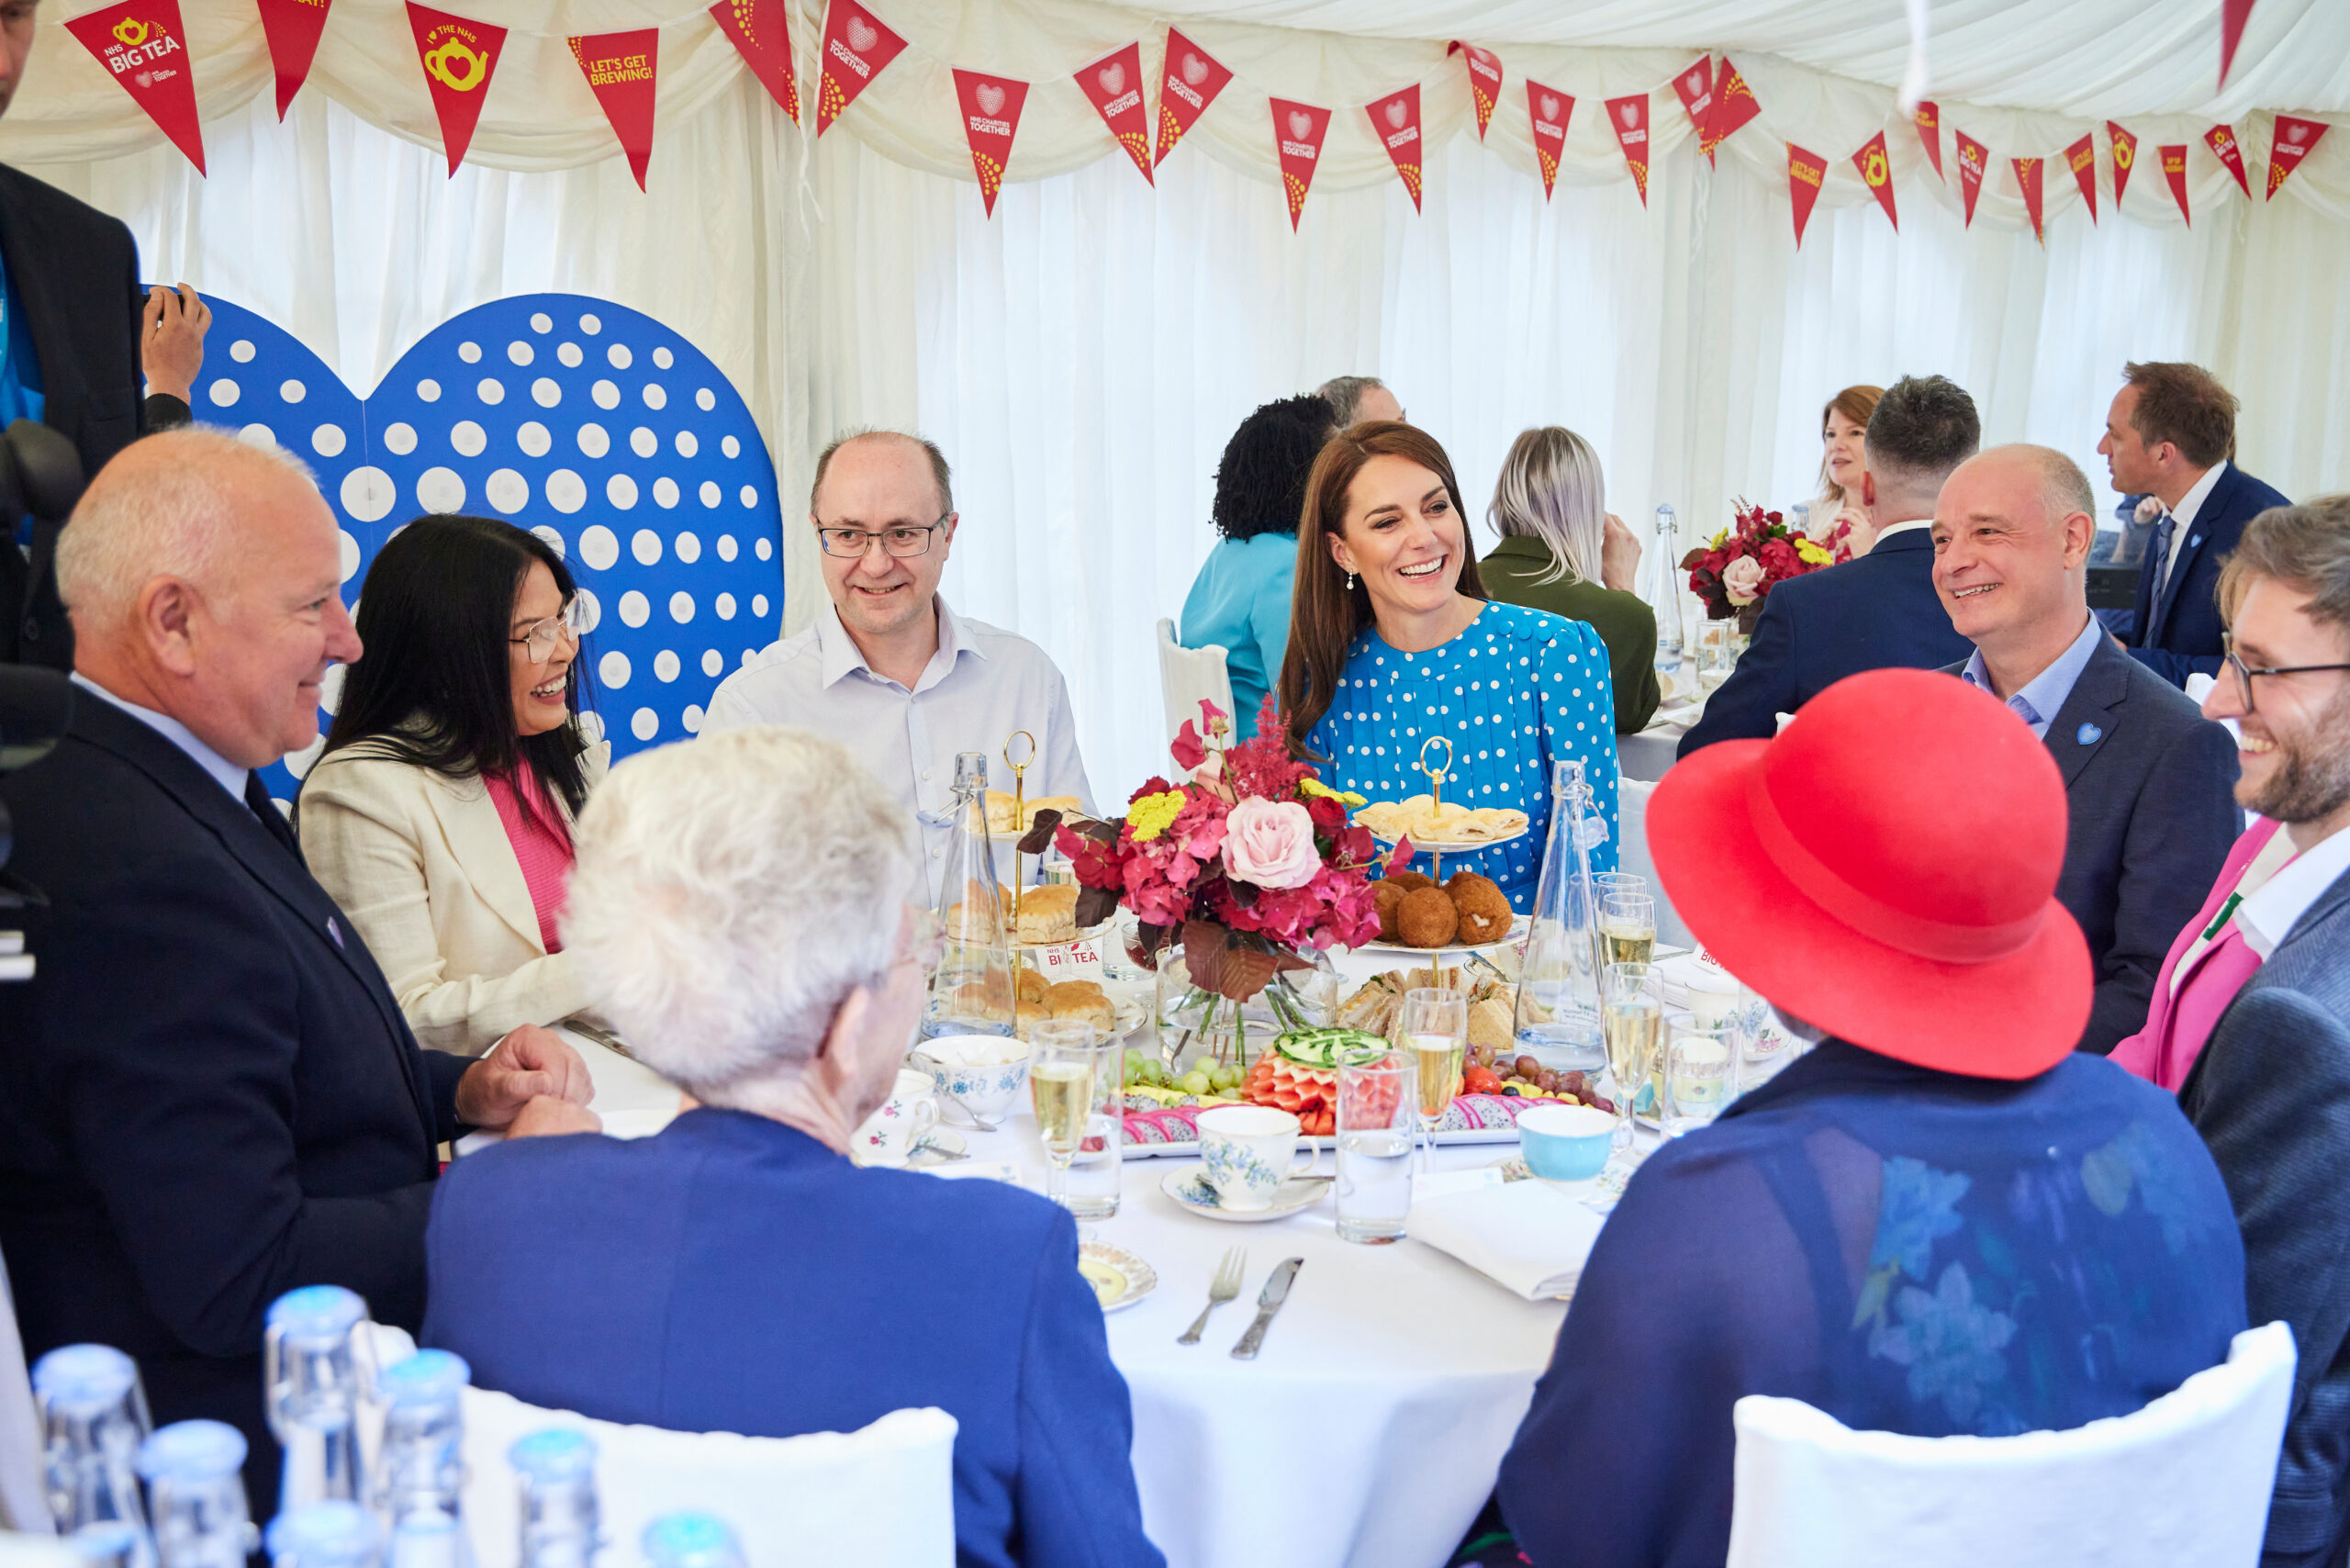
(690, 1540)
(195, 1482)
(1666, 591)
(93, 1418)
(333, 1534)
(1558, 987)
(560, 1515)
(971, 992)
(310, 1385)
(421, 1471)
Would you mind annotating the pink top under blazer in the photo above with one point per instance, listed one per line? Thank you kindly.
(2184, 1015)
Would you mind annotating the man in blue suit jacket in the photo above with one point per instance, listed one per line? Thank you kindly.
(741, 898)
(2147, 777)
(1874, 612)
(2170, 433)
(2271, 1092)
(207, 1096)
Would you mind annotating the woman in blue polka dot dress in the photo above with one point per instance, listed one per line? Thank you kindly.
(1392, 640)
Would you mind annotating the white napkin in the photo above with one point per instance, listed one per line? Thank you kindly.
(1527, 1237)
(1675, 973)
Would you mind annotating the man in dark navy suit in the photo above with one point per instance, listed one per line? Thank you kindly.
(1877, 612)
(2148, 779)
(2171, 434)
(208, 1095)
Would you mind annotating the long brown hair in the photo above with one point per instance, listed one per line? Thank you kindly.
(1325, 615)
(1856, 404)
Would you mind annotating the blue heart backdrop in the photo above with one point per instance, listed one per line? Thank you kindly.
(596, 428)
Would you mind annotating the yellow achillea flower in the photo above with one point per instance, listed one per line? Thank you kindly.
(1149, 817)
(1312, 787)
(1812, 554)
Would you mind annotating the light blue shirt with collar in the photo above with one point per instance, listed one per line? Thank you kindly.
(2039, 699)
(223, 772)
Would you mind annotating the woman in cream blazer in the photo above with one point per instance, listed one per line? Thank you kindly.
(457, 757)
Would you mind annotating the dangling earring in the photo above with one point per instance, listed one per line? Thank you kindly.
(1350, 582)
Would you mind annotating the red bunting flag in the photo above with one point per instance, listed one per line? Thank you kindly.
(2125, 156)
(1551, 110)
(1298, 130)
(1695, 86)
(1193, 79)
(144, 48)
(1112, 85)
(761, 33)
(291, 28)
(1630, 118)
(1877, 174)
(459, 57)
(1929, 119)
(990, 118)
(2028, 173)
(2234, 15)
(1484, 80)
(1734, 106)
(2221, 140)
(1973, 158)
(2295, 138)
(621, 69)
(1805, 171)
(858, 48)
(2174, 159)
(1395, 120)
(2082, 156)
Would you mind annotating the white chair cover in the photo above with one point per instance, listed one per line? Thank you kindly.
(2184, 1480)
(1186, 674)
(24, 1505)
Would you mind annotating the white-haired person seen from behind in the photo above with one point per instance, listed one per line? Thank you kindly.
(746, 901)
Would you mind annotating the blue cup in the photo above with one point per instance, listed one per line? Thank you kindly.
(1565, 1143)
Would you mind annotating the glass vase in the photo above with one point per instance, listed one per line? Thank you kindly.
(1198, 1027)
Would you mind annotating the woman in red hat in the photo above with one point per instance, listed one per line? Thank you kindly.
(1940, 1221)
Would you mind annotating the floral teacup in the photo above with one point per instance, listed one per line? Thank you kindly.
(1247, 1153)
(977, 1075)
(891, 1134)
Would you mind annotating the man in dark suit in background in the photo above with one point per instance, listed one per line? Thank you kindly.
(207, 1096)
(77, 338)
(2170, 433)
(1871, 614)
(2147, 777)
(2271, 1092)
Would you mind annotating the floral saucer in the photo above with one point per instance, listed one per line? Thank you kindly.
(1191, 1189)
(1119, 1278)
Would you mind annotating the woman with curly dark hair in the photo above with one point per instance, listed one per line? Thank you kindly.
(1240, 599)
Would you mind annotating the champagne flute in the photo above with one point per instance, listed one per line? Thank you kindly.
(1627, 927)
(1435, 1027)
(1631, 1020)
(1062, 1062)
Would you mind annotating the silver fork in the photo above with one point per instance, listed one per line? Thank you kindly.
(1223, 1288)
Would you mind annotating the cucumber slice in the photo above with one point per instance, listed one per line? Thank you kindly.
(1329, 1049)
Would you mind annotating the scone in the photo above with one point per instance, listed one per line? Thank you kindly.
(1002, 820)
(1048, 913)
(1031, 986)
(972, 920)
(1081, 1000)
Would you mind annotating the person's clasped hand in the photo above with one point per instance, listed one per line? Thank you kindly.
(531, 1084)
(170, 340)
(1619, 555)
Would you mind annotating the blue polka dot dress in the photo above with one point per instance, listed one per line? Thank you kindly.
(1517, 691)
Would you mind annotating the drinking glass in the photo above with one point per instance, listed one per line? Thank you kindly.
(1092, 1190)
(1376, 1104)
(1698, 1075)
(1632, 1019)
(1627, 927)
(1434, 1026)
(1063, 1061)
(1619, 883)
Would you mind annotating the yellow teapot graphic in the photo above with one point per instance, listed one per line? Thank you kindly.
(131, 33)
(455, 67)
(1875, 173)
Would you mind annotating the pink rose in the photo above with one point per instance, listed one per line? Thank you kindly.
(1270, 843)
(1742, 579)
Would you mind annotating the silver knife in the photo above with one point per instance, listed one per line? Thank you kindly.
(1268, 1302)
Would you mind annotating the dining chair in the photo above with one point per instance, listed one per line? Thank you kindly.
(1186, 674)
(2184, 1480)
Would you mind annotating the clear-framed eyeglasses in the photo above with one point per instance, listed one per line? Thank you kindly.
(926, 942)
(901, 539)
(2245, 675)
(539, 638)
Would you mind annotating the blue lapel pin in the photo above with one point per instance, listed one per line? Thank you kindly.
(336, 931)
(2193, 539)
(2088, 735)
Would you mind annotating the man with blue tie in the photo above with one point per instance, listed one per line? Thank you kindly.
(2171, 434)
(2149, 781)
(1874, 612)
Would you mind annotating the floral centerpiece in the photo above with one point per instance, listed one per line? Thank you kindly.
(1251, 865)
(1735, 573)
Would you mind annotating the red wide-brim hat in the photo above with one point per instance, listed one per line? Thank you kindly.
(1886, 870)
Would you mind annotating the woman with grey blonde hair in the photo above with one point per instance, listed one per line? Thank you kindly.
(1562, 551)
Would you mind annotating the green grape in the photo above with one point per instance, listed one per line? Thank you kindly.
(1197, 1083)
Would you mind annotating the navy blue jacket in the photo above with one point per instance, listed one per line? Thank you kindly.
(207, 1096)
(2271, 1096)
(2180, 636)
(1877, 612)
(732, 1274)
(2149, 790)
